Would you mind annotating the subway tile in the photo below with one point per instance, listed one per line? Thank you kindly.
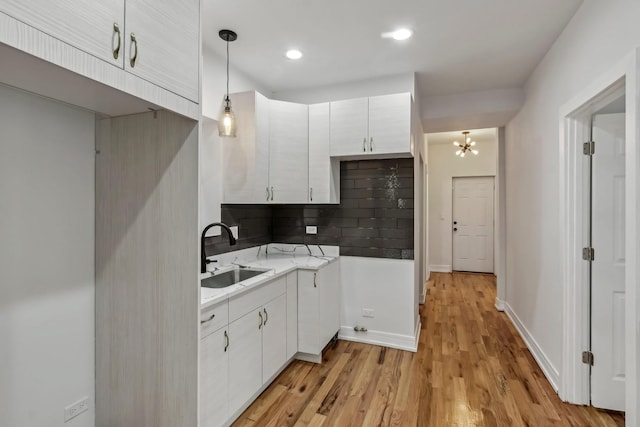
(393, 213)
(377, 222)
(360, 232)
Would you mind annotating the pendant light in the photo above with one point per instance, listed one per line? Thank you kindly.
(227, 121)
(466, 146)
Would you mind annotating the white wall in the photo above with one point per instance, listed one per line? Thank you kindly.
(47, 338)
(443, 166)
(599, 36)
(387, 286)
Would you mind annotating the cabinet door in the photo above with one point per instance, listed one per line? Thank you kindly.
(245, 159)
(320, 171)
(214, 379)
(329, 301)
(308, 330)
(167, 35)
(88, 26)
(349, 127)
(390, 123)
(245, 359)
(274, 337)
(292, 314)
(288, 152)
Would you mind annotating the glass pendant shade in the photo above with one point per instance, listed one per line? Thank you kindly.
(227, 121)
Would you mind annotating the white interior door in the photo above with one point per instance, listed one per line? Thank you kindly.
(607, 269)
(473, 224)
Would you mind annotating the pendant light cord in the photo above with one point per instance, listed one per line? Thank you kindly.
(227, 98)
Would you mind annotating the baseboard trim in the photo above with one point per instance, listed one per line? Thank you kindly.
(499, 304)
(440, 268)
(540, 357)
(384, 339)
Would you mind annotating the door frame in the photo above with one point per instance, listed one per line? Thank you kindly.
(575, 121)
(495, 207)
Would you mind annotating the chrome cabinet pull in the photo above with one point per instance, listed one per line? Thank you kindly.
(272, 194)
(116, 50)
(371, 144)
(364, 144)
(202, 322)
(226, 338)
(315, 275)
(261, 321)
(267, 194)
(266, 316)
(134, 43)
(311, 194)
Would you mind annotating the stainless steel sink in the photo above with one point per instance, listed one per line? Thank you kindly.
(231, 277)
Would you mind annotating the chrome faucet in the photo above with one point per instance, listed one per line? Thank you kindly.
(203, 256)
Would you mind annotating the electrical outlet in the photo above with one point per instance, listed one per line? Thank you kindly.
(367, 312)
(312, 229)
(76, 409)
(234, 231)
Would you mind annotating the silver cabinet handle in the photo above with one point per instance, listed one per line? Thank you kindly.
(371, 144)
(267, 194)
(311, 194)
(261, 321)
(226, 338)
(364, 144)
(266, 316)
(315, 275)
(134, 43)
(272, 194)
(202, 322)
(116, 31)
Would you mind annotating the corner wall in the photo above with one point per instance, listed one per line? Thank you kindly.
(47, 285)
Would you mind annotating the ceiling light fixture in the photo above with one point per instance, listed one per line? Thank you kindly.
(399, 34)
(466, 145)
(227, 121)
(293, 54)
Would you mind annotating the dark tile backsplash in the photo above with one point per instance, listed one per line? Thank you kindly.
(374, 217)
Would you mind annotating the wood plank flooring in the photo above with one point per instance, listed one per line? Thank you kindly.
(471, 369)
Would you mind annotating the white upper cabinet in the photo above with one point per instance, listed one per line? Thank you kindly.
(91, 27)
(324, 172)
(367, 127)
(288, 152)
(349, 127)
(162, 43)
(245, 159)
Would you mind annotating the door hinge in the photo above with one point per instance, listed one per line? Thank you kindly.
(589, 148)
(588, 254)
(587, 358)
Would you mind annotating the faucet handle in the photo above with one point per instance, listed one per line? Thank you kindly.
(209, 261)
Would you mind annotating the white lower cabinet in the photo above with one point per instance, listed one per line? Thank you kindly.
(274, 337)
(292, 314)
(245, 359)
(214, 379)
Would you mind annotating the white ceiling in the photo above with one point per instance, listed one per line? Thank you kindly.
(458, 45)
(478, 135)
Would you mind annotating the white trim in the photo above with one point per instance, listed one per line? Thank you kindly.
(440, 268)
(544, 362)
(385, 339)
(500, 304)
(573, 125)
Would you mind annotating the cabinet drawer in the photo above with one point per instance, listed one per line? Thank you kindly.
(244, 303)
(214, 318)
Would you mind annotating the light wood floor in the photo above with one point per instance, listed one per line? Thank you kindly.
(471, 369)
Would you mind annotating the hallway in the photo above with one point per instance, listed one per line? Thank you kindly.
(471, 369)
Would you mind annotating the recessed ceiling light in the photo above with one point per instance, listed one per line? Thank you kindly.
(293, 54)
(400, 34)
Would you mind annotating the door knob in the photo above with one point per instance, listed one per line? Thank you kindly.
(455, 222)
(455, 229)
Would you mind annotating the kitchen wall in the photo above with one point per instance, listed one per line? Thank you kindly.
(599, 36)
(374, 217)
(444, 165)
(47, 285)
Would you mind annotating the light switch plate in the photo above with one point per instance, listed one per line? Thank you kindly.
(234, 231)
(312, 229)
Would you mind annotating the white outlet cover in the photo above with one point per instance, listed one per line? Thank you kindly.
(76, 409)
(312, 229)
(367, 312)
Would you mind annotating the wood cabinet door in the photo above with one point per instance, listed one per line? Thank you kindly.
(88, 26)
(274, 337)
(166, 46)
(288, 152)
(390, 123)
(214, 379)
(349, 127)
(245, 359)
